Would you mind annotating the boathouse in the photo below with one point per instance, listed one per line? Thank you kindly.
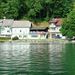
(38, 32)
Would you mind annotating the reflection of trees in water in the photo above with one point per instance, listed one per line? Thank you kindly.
(69, 58)
(39, 58)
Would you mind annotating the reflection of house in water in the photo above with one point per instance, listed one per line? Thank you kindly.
(16, 48)
(54, 28)
(39, 56)
(56, 58)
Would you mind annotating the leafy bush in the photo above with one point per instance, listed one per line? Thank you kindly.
(15, 38)
(68, 27)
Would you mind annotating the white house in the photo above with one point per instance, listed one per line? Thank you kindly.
(24, 29)
(21, 29)
(54, 28)
(9, 27)
(5, 27)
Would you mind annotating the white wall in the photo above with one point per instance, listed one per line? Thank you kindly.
(6, 31)
(54, 28)
(20, 32)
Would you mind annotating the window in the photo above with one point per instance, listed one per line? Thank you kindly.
(34, 35)
(8, 30)
(24, 36)
(20, 31)
(53, 28)
(20, 36)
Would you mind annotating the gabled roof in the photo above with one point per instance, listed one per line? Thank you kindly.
(11, 22)
(38, 28)
(56, 21)
(6, 22)
(22, 24)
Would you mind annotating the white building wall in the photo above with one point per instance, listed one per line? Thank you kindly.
(55, 31)
(6, 31)
(54, 28)
(20, 32)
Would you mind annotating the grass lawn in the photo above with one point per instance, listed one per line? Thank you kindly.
(3, 39)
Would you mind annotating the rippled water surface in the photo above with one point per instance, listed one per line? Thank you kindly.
(20, 58)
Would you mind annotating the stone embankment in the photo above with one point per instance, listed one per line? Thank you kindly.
(33, 41)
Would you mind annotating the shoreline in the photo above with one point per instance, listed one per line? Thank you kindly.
(36, 40)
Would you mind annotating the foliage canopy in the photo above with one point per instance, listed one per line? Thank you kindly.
(34, 9)
(68, 27)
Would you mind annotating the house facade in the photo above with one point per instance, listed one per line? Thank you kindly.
(5, 27)
(11, 28)
(54, 28)
(26, 30)
(21, 29)
(38, 32)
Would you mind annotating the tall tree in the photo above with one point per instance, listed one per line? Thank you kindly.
(68, 27)
(34, 9)
(60, 8)
(9, 8)
(49, 8)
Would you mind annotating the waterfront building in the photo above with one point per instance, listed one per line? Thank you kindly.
(54, 28)
(6, 27)
(38, 32)
(21, 29)
(26, 30)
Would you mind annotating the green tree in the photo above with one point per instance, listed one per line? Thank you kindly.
(45, 9)
(60, 8)
(9, 8)
(68, 27)
(23, 9)
(35, 9)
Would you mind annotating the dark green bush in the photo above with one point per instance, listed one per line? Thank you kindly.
(15, 38)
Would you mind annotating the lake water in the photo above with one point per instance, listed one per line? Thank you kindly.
(20, 58)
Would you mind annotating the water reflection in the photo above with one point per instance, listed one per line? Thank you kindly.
(39, 57)
(14, 57)
(69, 58)
(20, 58)
(56, 59)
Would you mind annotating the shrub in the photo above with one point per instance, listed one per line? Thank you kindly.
(15, 38)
